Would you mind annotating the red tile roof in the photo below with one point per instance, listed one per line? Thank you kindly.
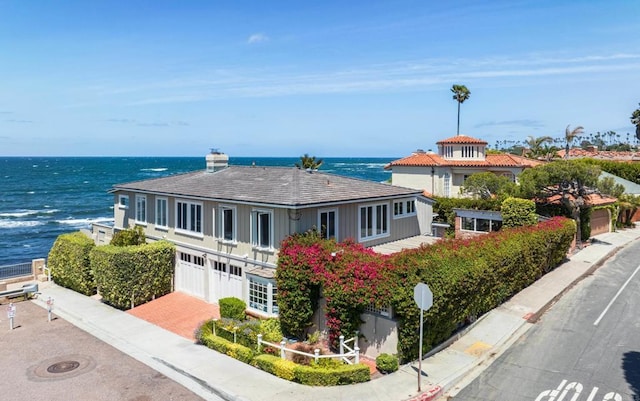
(462, 139)
(492, 160)
(576, 153)
(590, 199)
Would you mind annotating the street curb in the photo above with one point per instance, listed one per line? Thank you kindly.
(429, 395)
(534, 317)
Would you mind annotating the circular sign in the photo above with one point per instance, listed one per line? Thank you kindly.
(423, 296)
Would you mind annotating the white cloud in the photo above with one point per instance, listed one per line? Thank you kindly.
(257, 38)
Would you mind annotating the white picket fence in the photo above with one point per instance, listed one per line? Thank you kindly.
(352, 356)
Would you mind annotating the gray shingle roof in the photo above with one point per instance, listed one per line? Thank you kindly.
(286, 186)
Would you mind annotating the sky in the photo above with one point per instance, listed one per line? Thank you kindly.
(331, 78)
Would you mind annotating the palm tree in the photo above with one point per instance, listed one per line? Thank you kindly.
(309, 162)
(535, 144)
(460, 94)
(635, 120)
(569, 136)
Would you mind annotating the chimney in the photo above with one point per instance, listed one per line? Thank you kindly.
(216, 161)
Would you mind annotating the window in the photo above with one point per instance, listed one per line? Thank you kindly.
(141, 209)
(228, 223)
(262, 229)
(374, 221)
(235, 270)
(162, 212)
(219, 266)
(480, 225)
(123, 202)
(404, 208)
(447, 184)
(328, 223)
(448, 151)
(189, 216)
(196, 260)
(384, 311)
(469, 151)
(262, 295)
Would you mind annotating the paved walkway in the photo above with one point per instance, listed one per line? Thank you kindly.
(218, 377)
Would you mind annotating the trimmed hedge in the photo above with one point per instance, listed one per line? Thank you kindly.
(232, 308)
(70, 264)
(132, 275)
(236, 351)
(313, 375)
(518, 212)
(387, 363)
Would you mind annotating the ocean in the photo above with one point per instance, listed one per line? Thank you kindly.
(43, 197)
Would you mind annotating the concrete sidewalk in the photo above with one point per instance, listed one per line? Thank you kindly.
(217, 377)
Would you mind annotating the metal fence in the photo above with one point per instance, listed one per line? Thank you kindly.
(17, 270)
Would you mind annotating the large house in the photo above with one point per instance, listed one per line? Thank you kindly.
(227, 221)
(443, 174)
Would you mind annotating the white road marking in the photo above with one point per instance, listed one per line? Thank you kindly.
(616, 296)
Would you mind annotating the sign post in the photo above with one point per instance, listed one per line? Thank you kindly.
(424, 299)
(49, 307)
(11, 313)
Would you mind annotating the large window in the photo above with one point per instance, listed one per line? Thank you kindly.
(262, 295)
(404, 208)
(189, 216)
(262, 229)
(447, 184)
(374, 221)
(480, 225)
(162, 212)
(228, 223)
(328, 220)
(141, 209)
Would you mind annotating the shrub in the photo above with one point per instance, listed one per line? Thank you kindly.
(275, 365)
(128, 237)
(303, 359)
(70, 263)
(236, 351)
(315, 375)
(232, 308)
(270, 330)
(518, 212)
(386, 363)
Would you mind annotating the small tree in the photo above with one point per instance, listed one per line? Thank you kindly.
(488, 185)
(309, 162)
(635, 120)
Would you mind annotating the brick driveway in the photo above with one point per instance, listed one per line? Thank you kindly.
(177, 312)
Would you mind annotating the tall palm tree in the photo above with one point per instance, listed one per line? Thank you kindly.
(460, 94)
(309, 162)
(569, 136)
(635, 120)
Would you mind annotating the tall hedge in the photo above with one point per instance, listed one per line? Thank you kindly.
(69, 262)
(132, 275)
(518, 212)
(468, 277)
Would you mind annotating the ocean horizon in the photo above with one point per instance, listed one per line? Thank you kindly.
(43, 197)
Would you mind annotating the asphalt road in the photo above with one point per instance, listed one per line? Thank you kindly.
(585, 348)
(52, 361)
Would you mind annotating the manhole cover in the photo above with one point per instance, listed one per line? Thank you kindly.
(63, 367)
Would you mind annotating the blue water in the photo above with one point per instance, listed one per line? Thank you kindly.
(43, 197)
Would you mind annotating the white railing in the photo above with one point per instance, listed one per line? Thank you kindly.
(345, 356)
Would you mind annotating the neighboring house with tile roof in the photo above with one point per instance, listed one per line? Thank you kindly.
(593, 153)
(443, 174)
(227, 222)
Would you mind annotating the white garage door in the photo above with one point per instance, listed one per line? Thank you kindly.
(225, 280)
(190, 275)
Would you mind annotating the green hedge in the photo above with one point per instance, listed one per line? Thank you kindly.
(518, 212)
(236, 351)
(387, 363)
(470, 277)
(232, 308)
(70, 264)
(132, 275)
(313, 375)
